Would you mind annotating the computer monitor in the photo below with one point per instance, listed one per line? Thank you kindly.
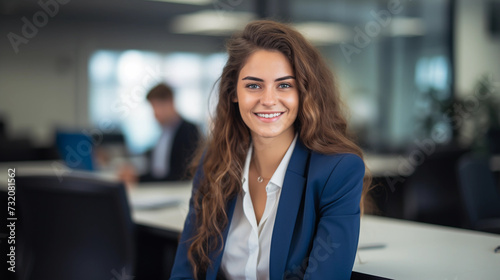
(76, 150)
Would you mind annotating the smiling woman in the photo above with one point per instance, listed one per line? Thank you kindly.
(279, 186)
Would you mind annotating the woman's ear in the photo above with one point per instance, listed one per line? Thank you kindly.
(235, 99)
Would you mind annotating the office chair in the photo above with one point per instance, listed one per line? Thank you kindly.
(431, 193)
(74, 227)
(479, 194)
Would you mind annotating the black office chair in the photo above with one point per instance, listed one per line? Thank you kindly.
(431, 193)
(74, 227)
(479, 193)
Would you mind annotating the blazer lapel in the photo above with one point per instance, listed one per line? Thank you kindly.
(217, 256)
(291, 196)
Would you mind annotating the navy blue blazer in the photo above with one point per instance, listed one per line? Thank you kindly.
(316, 230)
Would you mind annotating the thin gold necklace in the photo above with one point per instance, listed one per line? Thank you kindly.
(260, 179)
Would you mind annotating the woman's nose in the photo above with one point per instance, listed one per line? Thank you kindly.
(268, 97)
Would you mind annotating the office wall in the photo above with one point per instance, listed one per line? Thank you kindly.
(38, 84)
(477, 52)
(45, 84)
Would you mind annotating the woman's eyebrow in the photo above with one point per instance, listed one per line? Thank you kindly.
(260, 80)
(252, 78)
(284, 78)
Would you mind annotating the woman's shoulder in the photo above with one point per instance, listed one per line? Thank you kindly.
(336, 160)
(336, 174)
(335, 168)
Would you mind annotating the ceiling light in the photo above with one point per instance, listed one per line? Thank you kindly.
(323, 33)
(406, 26)
(211, 22)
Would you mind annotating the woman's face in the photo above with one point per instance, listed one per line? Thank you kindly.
(267, 95)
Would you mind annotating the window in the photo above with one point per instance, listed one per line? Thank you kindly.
(120, 80)
(393, 62)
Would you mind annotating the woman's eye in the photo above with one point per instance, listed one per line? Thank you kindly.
(252, 86)
(285, 86)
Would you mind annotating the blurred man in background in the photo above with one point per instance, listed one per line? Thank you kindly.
(169, 159)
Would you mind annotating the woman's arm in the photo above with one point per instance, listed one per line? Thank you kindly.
(336, 240)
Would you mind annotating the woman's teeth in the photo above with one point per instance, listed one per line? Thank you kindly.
(269, 116)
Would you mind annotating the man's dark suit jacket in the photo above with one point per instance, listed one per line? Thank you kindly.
(184, 145)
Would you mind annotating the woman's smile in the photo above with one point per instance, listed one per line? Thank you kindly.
(269, 116)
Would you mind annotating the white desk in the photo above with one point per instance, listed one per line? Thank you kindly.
(399, 165)
(388, 165)
(413, 250)
(33, 167)
(379, 165)
(48, 167)
(422, 251)
(171, 218)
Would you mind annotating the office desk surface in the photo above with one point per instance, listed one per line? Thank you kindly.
(423, 251)
(412, 250)
(47, 167)
(380, 166)
(169, 218)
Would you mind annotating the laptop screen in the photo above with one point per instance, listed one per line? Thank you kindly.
(76, 150)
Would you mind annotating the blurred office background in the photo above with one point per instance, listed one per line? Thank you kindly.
(409, 70)
(421, 79)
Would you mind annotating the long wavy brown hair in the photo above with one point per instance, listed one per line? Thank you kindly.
(320, 123)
